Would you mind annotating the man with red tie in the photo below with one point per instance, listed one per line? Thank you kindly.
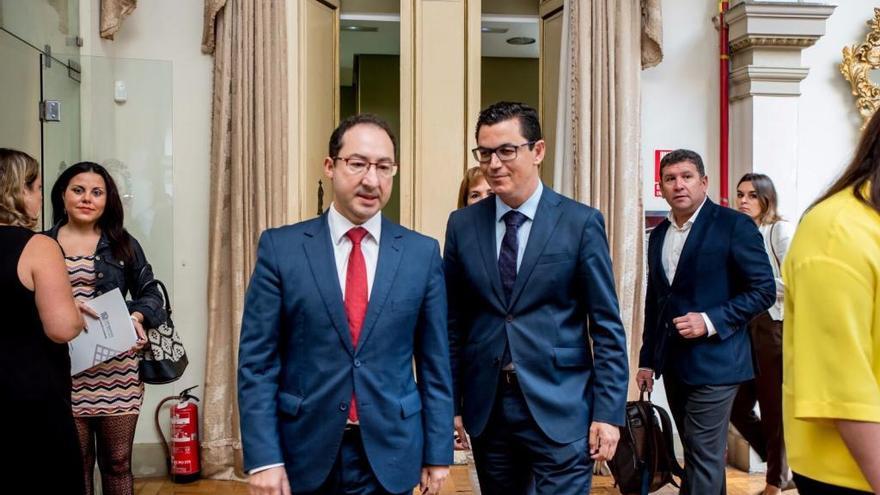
(337, 310)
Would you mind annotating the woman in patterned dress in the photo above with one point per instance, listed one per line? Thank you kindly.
(101, 256)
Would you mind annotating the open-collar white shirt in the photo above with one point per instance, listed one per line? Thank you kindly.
(673, 244)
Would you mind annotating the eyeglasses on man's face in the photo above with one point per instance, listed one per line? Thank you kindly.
(356, 165)
(505, 152)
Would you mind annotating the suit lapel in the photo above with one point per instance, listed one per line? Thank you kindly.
(546, 218)
(319, 253)
(655, 253)
(694, 241)
(390, 252)
(485, 232)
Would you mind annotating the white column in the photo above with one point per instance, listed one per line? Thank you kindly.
(766, 40)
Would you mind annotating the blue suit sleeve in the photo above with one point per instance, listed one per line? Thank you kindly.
(433, 369)
(456, 335)
(259, 364)
(610, 367)
(752, 267)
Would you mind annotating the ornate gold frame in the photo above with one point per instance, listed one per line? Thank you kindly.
(858, 62)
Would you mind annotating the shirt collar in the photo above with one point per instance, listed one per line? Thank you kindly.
(690, 221)
(529, 208)
(339, 225)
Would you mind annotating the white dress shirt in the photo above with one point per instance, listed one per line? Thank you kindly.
(529, 208)
(339, 226)
(673, 243)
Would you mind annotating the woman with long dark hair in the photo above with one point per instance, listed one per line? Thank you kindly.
(756, 197)
(101, 256)
(831, 343)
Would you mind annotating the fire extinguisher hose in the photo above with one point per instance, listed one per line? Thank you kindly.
(159, 430)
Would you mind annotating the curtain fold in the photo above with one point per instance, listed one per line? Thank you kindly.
(248, 195)
(113, 12)
(597, 155)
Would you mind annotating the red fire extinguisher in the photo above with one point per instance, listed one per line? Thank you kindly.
(182, 458)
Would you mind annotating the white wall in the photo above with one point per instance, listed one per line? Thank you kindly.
(828, 127)
(680, 99)
(680, 96)
(170, 30)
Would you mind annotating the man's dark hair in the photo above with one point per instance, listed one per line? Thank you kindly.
(683, 155)
(529, 124)
(349, 122)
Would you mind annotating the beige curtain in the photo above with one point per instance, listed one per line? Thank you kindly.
(652, 33)
(113, 12)
(248, 194)
(597, 155)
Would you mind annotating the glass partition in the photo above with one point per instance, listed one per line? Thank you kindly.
(126, 126)
(44, 22)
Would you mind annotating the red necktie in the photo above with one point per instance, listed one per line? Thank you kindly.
(355, 296)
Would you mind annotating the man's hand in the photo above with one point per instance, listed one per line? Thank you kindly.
(461, 441)
(691, 325)
(432, 479)
(645, 380)
(272, 481)
(603, 440)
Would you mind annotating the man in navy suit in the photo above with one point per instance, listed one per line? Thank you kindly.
(530, 287)
(708, 275)
(337, 310)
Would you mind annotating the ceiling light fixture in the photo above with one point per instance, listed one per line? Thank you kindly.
(360, 29)
(520, 40)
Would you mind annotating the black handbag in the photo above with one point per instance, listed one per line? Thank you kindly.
(164, 358)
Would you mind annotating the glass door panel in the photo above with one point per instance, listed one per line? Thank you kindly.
(19, 96)
(44, 22)
(61, 126)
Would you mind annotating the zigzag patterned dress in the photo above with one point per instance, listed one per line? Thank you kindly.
(112, 387)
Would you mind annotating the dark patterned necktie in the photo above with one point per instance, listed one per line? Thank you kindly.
(509, 249)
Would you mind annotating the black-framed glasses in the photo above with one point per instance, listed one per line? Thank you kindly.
(356, 165)
(505, 152)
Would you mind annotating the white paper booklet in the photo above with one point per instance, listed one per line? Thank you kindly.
(107, 336)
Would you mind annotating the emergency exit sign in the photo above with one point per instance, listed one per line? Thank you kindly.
(658, 156)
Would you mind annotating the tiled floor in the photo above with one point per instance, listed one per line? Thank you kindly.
(738, 483)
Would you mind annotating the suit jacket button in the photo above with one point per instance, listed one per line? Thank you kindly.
(343, 406)
(357, 363)
(509, 318)
(496, 361)
(100, 275)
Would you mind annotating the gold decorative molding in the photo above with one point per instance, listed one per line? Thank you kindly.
(858, 62)
(774, 41)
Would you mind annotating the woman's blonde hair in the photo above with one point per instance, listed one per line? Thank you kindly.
(470, 177)
(17, 171)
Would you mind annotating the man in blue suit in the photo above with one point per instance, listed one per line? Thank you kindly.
(708, 275)
(338, 309)
(530, 287)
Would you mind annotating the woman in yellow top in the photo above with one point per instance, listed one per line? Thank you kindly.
(831, 341)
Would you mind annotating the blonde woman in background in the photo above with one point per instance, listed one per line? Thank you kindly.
(474, 187)
(756, 197)
(39, 318)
